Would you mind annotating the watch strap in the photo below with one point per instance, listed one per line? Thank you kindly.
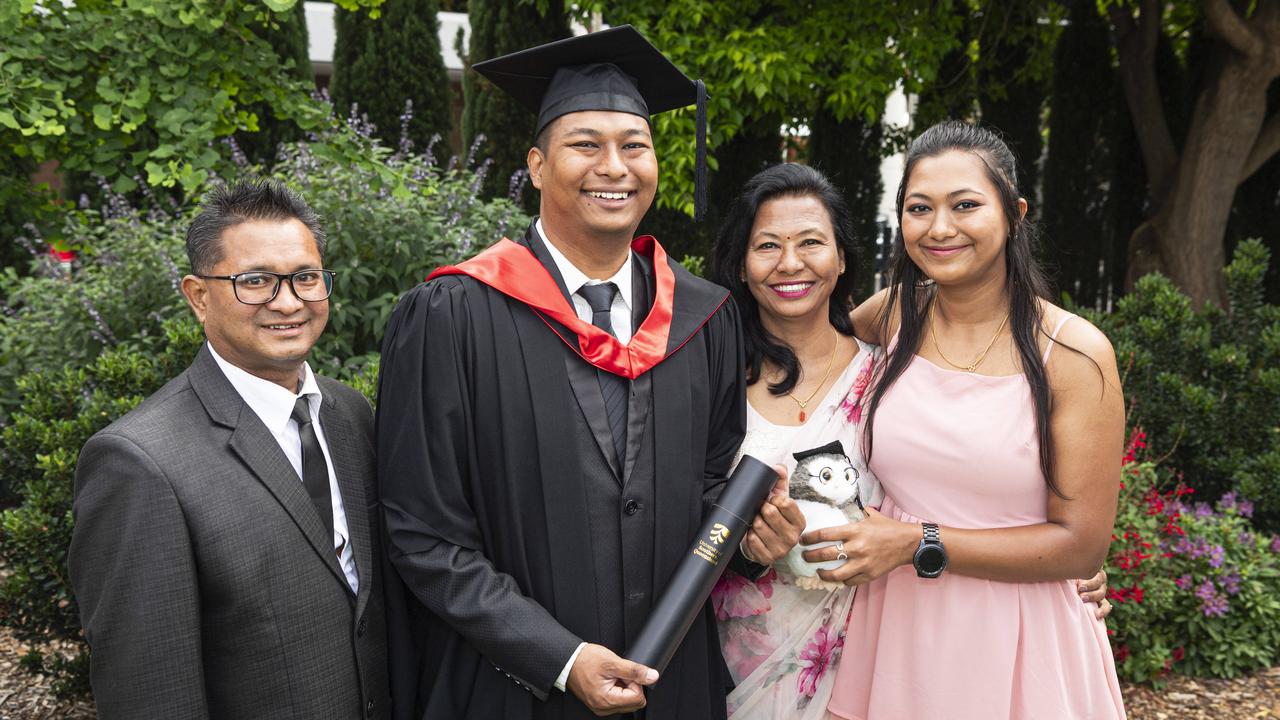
(931, 535)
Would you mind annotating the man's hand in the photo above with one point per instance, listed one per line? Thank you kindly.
(608, 684)
(777, 527)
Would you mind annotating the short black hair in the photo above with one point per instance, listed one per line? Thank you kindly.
(543, 139)
(229, 205)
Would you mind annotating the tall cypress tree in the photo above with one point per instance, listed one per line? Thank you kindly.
(287, 34)
(848, 152)
(379, 64)
(499, 27)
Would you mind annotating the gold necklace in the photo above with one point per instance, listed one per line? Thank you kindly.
(835, 343)
(933, 323)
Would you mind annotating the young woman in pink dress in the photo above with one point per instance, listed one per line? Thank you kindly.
(995, 426)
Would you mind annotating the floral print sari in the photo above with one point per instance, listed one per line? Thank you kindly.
(782, 642)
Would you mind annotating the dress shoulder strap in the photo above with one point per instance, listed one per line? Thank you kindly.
(1052, 338)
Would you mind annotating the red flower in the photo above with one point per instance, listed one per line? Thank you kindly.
(1178, 654)
(1122, 653)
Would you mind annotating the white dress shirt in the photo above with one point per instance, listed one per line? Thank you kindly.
(619, 313)
(619, 317)
(273, 405)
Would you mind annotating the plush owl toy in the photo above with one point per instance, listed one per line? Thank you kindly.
(830, 491)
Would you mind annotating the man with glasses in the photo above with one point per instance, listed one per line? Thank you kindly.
(226, 546)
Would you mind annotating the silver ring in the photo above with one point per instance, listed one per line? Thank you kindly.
(840, 555)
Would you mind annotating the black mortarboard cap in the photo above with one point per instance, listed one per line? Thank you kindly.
(616, 70)
(832, 448)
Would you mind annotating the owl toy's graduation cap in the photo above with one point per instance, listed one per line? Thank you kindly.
(832, 448)
(615, 70)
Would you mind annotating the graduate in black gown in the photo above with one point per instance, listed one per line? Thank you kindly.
(548, 442)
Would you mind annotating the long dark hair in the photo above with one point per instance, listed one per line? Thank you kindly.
(728, 259)
(1025, 282)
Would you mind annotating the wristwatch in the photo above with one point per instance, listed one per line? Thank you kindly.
(931, 557)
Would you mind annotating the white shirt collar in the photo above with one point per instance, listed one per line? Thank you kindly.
(272, 403)
(575, 278)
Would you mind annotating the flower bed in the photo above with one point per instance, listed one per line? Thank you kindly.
(1196, 588)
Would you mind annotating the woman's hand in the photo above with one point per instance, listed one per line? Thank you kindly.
(873, 547)
(1095, 590)
(776, 527)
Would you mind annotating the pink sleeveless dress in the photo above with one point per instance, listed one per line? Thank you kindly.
(961, 450)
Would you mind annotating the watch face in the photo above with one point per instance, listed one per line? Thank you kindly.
(930, 560)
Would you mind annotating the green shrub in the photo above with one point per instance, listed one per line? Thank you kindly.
(1206, 383)
(60, 409)
(1196, 589)
(391, 218)
(121, 287)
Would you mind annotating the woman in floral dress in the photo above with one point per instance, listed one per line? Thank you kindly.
(786, 254)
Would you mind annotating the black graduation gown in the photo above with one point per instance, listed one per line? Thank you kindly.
(486, 472)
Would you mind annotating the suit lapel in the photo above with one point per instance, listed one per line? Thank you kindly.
(583, 378)
(348, 468)
(253, 443)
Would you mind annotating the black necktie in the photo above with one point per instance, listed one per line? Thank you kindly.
(315, 472)
(614, 387)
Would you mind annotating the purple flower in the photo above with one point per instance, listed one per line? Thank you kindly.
(1228, 501)
(1275, 543)
(1216, 556)
(1203, 510)
(1199, 547)
(1245, 538)
(1182, 546)
(1230, 582)
(1206, 591)
(1217, 606)
(1183, 582)
(1245, 508)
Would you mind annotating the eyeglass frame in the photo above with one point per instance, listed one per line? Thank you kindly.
(280, 278)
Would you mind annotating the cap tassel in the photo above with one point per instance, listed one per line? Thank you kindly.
(700, 156)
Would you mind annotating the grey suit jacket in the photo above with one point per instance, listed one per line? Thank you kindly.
(206, 583)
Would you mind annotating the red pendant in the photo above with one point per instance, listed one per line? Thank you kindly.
(802, 416)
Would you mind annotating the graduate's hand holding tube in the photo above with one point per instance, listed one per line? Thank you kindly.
(777, 526)
(608, 684)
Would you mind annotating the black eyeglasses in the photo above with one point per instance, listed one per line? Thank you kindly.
(260, 287)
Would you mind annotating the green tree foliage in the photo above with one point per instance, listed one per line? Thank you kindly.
(383, 65)
(763, 58)
(1205, 384)
(141, 88)
(499, 27)
(286, 33)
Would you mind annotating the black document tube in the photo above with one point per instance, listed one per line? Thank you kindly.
(690, 585)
